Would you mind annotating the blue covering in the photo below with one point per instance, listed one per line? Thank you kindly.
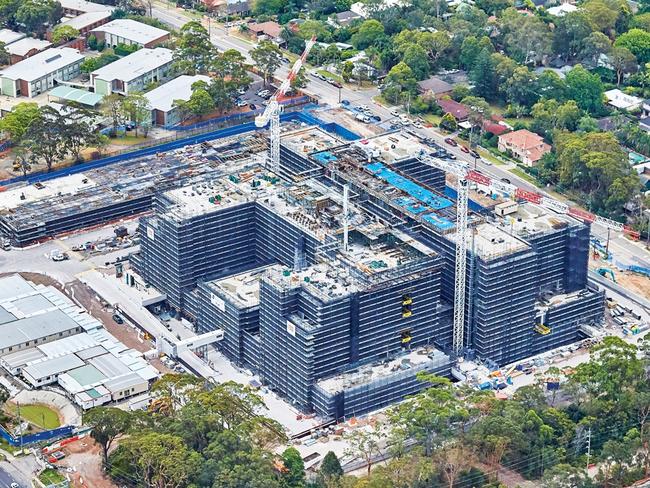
(440, 222)
(325, 157)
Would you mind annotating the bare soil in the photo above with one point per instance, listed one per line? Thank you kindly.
(84, 456)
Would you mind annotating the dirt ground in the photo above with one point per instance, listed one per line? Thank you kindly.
(84, 456)
(634, 282)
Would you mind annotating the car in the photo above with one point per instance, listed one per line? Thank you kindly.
(59, 256)
(376, 118)
(364, 107)
(450, 141)
(252, 106)
(475, 154)
(451, 156)
(242, 103)
(15, 485)
(394, 126)
(505, 180)
(241, 90)
(394, 113)
(335, 83)
(418, 125)
(345, 102)
(261, 93)
(117, 318)
(464, 149)
(285, 60)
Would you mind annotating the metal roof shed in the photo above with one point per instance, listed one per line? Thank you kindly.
(82, 97)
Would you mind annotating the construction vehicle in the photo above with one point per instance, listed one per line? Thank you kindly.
(272, 112)
(605, 272)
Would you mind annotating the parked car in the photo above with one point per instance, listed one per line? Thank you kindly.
(464, 149)
(475, 154)
(242, 103)
(394, 113)
(335, 83)
(60, 256)
(252, 106)
(345, 102)
(117, 318)
(451, 142)
(376, 118)
(505, 180)
(241, 90)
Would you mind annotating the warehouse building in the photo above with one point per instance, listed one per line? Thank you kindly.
(48, 340)
(40, 72)
(131, 33)
(134, 72)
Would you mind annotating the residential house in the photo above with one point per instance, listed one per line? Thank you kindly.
(130, 32)
(435, 86)
(622, 101)
(561, 10)
(343, 19)
(25, 48)
(459, 111)
(40, 72)
(270, 31)
(133, 72)
(524, 145)
(161, 99)
(228, 7)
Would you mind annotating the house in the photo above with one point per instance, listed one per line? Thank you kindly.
(130, 32)
(72, 8)
(524, 145)
(228, 7)
(435, 86)
(561, 10)
(496, 125)
(133, 72)
(267, 31)
(622, 101)
(458, 110)
(86, 22)
(25, 48)
(161, 99)
(40, 72)
(343, 19)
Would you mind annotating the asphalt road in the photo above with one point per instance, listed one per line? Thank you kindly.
(622, 248)
(6, 479)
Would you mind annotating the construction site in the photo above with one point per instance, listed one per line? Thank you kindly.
(333, 274)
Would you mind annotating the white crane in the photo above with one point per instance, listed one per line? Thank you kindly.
(461, 170)
(273, 109)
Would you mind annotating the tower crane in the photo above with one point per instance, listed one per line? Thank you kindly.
(273, 109)
(465, 175)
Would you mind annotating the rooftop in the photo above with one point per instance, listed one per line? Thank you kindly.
(25, 45)
(41, 64)
(8, 36)
(616, 98)
(76, 95)
(308, 140)
(42, 369)
(135, 64)
(35, 327)
(270, 28)
(86, 19)
(530, 220)
(241, 289)
(132, 30)
(410, 362)
(83, 6)
(491, 242)
(162, 98)
(435, 85)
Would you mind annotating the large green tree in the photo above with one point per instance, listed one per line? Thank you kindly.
(107, 424)
(194, 51)
(267, 57)
(637, 41)
(585, 88)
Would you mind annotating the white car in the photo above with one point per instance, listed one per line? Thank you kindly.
(15, 485)
(242, 103)
(394, 113)
(418, 125)
(365, 108)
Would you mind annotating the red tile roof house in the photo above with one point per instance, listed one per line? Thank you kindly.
(267, 30)
(524, 145)
(458, 110)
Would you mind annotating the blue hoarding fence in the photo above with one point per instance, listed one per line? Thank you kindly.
(178, 143)
(46, 435)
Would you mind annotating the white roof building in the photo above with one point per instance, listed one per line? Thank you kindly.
(562, 10)
(41, 64)
(82, 21)
(127, 31)
(622, 101)
(161, 99)
(26, 45)
(81, 6)
(8, 36)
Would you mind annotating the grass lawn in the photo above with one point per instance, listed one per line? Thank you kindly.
(432, 119)
(525, 176)
(40, 415)
(127, 140)
(51, 477)
(327, 74)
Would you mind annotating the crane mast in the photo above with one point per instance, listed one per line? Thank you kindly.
(272, 112)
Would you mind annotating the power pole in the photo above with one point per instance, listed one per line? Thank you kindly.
(588, 449)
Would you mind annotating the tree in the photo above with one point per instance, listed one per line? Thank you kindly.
(5, 57)
(521, 88)
(364, 444)
(483, 76)
(416, 59)
(623, 62)
(637, 41)
(112, 108)
(346, 70)
(107, 424)
(34, 15)
(16, 122)
(136, 109)
(399, 83)
(8, 9)
(199, 104)
(267, 57)
(595, 45)
(64, 33)
(452, 460)
(570, 33)
(300, 80)
(602, 16)
(549, 116)
(448, 122)
(160, 460)
(194, 51)
(370, 31)
(294, 474)
(585, 88)
(527, 39)
(330, 468)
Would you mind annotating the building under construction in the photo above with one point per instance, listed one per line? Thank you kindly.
(333, 277)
